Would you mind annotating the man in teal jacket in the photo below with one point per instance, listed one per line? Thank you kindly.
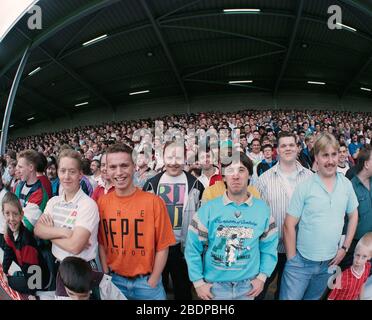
(239, 240)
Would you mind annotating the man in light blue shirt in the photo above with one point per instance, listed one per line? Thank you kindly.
(318, 207)
(238, 237)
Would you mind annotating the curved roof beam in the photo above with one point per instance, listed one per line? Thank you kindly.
(167, 52)
(363, 6)
(234, 62)
(290, 47)
(23, 87)
(83, 11)
(357, 75)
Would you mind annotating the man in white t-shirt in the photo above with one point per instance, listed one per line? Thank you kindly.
(181, 193)
(343, 163)
(70, 220)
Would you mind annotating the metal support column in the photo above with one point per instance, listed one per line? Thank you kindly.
(11, 98)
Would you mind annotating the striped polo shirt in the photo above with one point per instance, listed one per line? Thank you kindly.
(81, 211)
(271, 187)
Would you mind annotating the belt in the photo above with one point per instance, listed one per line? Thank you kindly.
(132, 277)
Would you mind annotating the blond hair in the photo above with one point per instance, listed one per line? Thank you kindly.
(366, 241)
(324, 140)
(70, 153)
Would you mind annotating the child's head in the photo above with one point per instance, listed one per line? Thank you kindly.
(12, 167)
(12, 211)
(363, 250)
(76, 276)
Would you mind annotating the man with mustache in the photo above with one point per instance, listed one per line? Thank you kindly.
(317, 209)
(181, 193)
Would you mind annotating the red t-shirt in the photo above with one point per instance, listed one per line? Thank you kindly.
(100, 191)
(350, 285)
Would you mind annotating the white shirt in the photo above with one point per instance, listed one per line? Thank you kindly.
(343, 170)
(174, 192)
(81, 211)
(97, 157)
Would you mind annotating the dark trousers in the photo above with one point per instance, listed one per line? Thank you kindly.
(282, 259)
(18, 282)
(176, 268)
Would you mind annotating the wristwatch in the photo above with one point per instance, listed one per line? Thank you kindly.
(345, 248)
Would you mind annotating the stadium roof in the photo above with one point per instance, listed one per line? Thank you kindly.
(106, 52)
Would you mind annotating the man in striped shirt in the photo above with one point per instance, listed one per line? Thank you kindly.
(276, 187)
(70, 221)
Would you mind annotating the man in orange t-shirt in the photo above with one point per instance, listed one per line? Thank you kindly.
(135, 231)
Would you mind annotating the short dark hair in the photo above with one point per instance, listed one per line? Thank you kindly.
(12, 154)
(267, 146)
(285, 134)
(363, 156)
(98, 162)
(343, 144)
(12, 163)
(119, 147)
(254, 140)
(85, 166)
(244, 159)
(42, 163)
(76, 274)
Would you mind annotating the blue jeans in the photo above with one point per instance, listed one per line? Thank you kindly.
(138, 288)
(231, 290)
(304, 279)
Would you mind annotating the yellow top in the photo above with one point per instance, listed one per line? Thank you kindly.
(219, 188)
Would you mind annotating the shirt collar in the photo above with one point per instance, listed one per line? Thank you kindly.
(358, 181)
(215, 173)
(75, 198)
(320, 181)
(300, 169)
(226, 200)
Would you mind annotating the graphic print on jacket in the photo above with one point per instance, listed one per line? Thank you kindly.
(232, 249)
(174, 198)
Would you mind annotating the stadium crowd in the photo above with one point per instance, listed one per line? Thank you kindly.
(114, 211)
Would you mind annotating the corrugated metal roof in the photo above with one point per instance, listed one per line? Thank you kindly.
(196, 37)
